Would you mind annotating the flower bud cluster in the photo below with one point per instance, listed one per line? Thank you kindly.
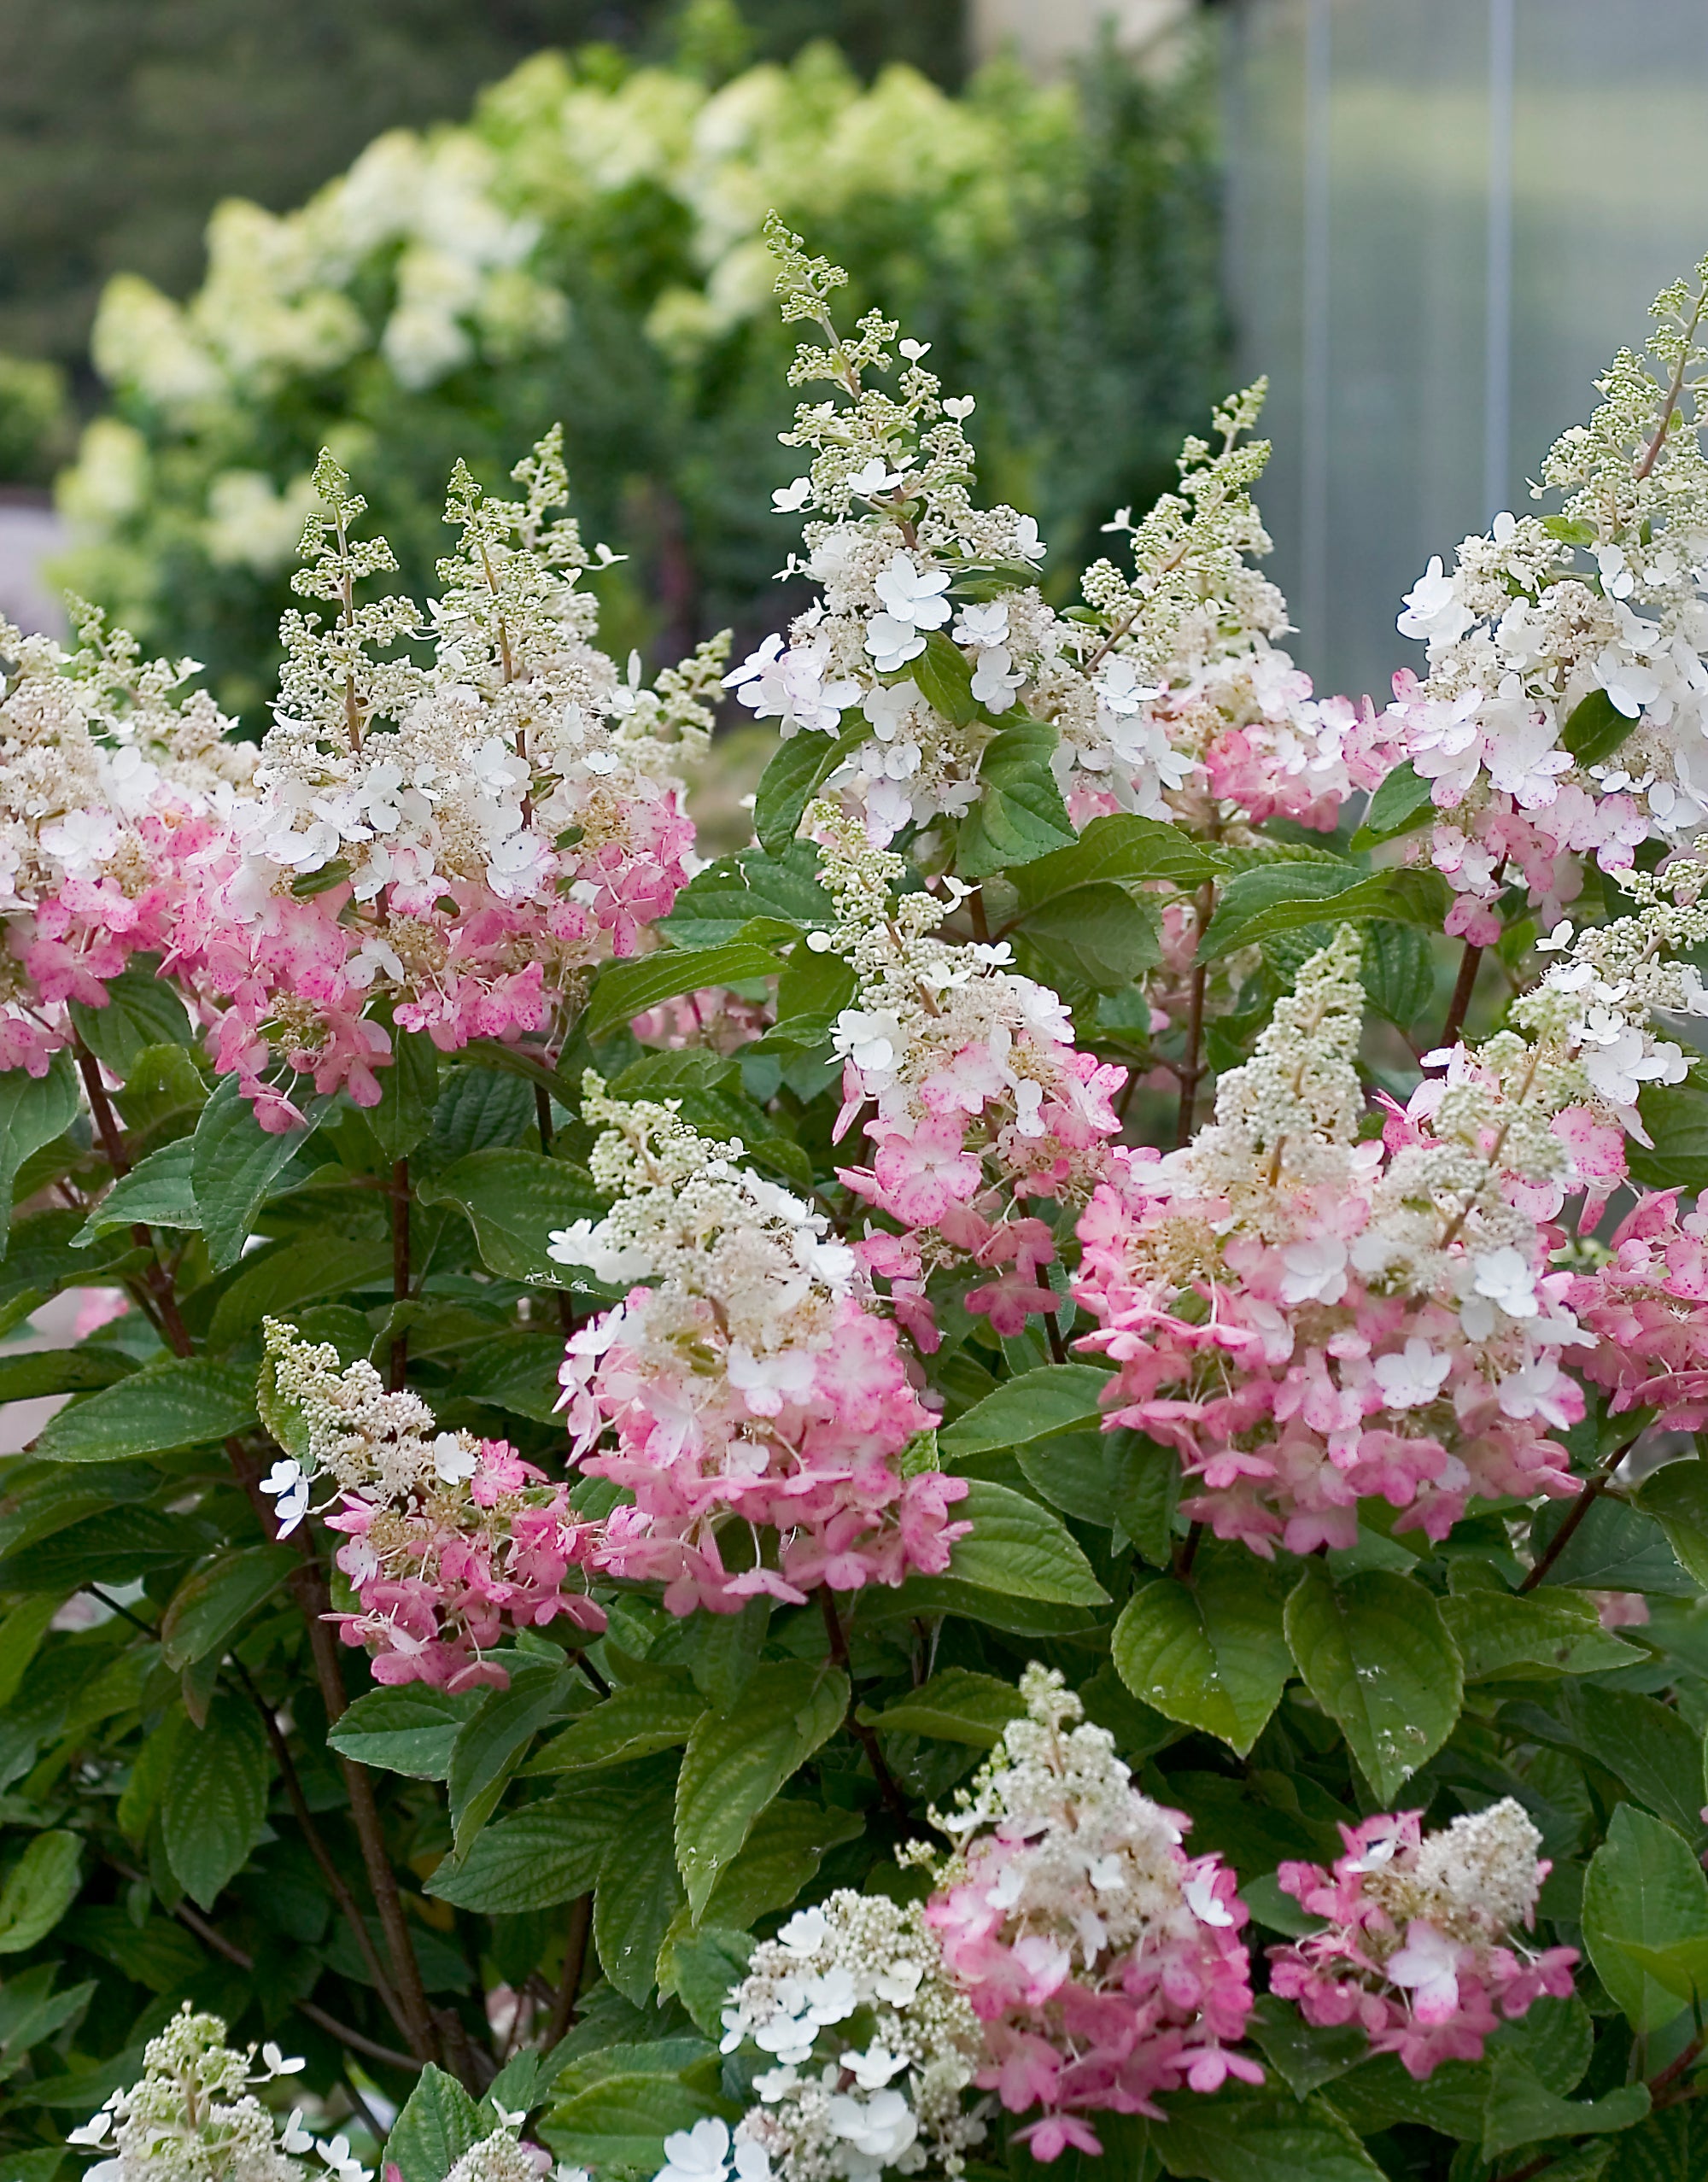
(1566, 701)
(1421, 1947)
(931, 633)
(869, 2047)
(750, 1389)
(449, 1539)
(1310, 1318)
(114, 784)
(193, 2117)
(1104, 1965)
(982, 1100)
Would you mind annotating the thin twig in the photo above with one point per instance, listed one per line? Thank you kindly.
(1581, 1506)
(322, 1856)
(1188, 1551)
(866, 1737)
(346, 2033)
(1469, 962)
(400, 1270)
(575, 1962)
(1191, 1069)
(542, 1114)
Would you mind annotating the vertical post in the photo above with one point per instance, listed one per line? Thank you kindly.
(1497, 331)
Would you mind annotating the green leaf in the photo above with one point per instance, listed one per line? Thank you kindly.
(1398, 972)
(39, 1889)
(477, 1108)
(142, 1010)
(638, 1893)
(547, 1853)
(439, 2123)
(1304, 2055)
(624, 990)
(632, 1722)
(956, 1706)
(1019, 814)
(1375, 1653)
(789, 1840)
(736, 1762)
(944, 676)
(1644, 1886)
(725, 1650)
(155, 1193)
(1681, 1966)
(1098, 938)
(515, 1201)
(408, 1093)
(620, 2124)
(209, 1605)
(1659, 2150)
(62, 1370)
(214, 1807)
(1646, 1745)
(1209, 1652)
(1121, 846)
(1082, 1473)
(182, 1403)
(1615, 1548)
(1253, 2138)
(1036, 1406)
(1401, 802)
(797, 771)
(1017, 1548)
(1676, 1118)
(515, 1371)
(1521, 2110)
(1676, 1495)
(118, 1546)
(489, 1745)
(1596, 727)
(1494, 1630)
(1282, 897)
(33, 1111)
(20, 1636)
(1147, 1494)
(233, 1166)
(930, 1596)
(718, 903)
(411, 1730)
(703, 1966)
(305, 1270)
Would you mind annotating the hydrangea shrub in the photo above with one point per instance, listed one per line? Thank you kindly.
(1009, 1482)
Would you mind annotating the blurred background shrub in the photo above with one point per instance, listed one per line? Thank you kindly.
(585, 249)
(37, 425)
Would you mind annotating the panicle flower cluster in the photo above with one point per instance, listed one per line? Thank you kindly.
(982, 1100)
(459, 842)
(1104, 1965)
(750, 1390)
(448, 1538)
(1644, 1305)
(114, 781)
(1565, 708)
(1420, 1949)
(870, 2047)
(931, 634)
(193, 2117)
(1310, 1319)
(501, 2158)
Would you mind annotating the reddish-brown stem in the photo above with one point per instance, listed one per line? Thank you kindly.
(542, 1114)
(1459, 1006)
(400, 1270)
(1580, 1507)
(575, 1962)
(322, 1856)
(1191, 1069)
(159, 1295)
(1673, 391)
(1189, 1550)
(866, 1737)
(358, 2041)
(308, 1585)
